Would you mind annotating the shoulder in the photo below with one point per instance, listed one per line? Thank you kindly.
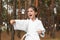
(38, 20)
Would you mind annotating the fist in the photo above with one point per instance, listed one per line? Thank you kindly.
(12, 22)
(39, 32)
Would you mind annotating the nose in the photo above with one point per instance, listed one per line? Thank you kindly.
(29, 12)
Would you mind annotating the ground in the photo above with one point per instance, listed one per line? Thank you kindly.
(5, 36)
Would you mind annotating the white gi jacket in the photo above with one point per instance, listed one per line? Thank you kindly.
(31, 27)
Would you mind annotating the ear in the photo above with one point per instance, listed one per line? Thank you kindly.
(36, 13)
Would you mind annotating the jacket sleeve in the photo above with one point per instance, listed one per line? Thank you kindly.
(41, 27)
(20, 25)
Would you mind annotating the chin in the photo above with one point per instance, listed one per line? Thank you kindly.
(30, 17)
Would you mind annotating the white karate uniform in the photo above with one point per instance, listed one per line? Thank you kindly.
(30, 27)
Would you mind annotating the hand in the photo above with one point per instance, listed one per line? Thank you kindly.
(12, 22)
(39, 32)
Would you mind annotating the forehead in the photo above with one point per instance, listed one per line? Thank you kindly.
(30, 9)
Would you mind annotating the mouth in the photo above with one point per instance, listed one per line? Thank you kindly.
(30, 15)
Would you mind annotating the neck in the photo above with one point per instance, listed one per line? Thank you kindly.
(33, 19)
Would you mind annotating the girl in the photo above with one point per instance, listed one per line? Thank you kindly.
(32, 26)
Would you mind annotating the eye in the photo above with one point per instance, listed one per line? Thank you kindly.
(30, 11)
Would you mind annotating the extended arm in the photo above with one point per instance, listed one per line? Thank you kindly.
(19, 24)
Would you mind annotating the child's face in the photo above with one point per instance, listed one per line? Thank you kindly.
(31, 13)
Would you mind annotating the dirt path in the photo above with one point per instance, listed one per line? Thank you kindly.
(5, 36)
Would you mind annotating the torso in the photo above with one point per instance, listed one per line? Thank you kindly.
(32, 31)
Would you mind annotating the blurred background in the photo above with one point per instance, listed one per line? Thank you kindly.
(48, 13)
